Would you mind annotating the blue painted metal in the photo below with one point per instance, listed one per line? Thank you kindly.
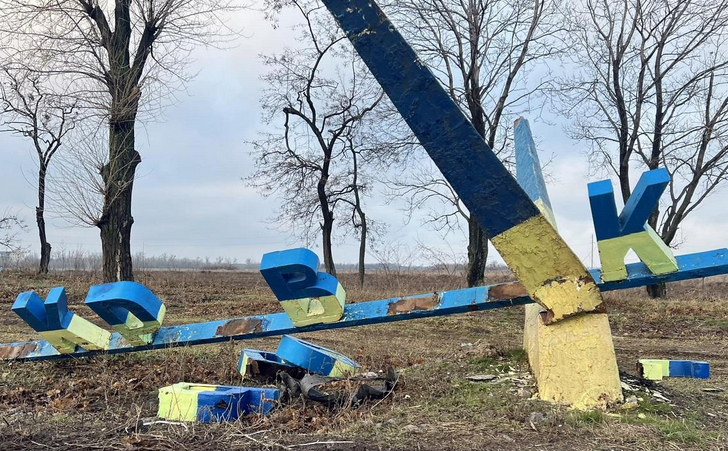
(485, 186)
(293, 274)
(636, 211)
(692, 266)
(643, 200)
(528, 166)
(53, 314)
(113, 302)
(604, 209)
(228, 403)
(689, 368)
(314, 358)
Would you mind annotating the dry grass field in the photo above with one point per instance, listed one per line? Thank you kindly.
(109, 402)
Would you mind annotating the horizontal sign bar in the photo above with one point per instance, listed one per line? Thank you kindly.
(692, 266)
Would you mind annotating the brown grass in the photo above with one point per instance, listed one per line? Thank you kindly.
(108, 402)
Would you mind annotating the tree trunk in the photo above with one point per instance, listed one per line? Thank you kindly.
(117, 220)
(362, 247)
(45, 246)
(327, 230)
(477, 254)
(657, 291)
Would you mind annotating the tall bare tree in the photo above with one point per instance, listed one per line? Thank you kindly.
(113, 57)
(648, 90)
(29, 109)
(482, 51)
(325, 99)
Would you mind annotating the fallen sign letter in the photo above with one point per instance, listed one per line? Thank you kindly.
(63, 329)
(307, 295)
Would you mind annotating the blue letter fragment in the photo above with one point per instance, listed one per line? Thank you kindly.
(307, 296)
(62, 328)
(130, 308)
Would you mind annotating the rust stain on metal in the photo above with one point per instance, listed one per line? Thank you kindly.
(407, 305)
(17, 352)
(240, 326)
(506, 291)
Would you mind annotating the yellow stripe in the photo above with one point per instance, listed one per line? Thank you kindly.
(342, 369)
(80, 332)
(655, 370)
(139, 333)
(648, 246)
(573, 361)
(324, 309)
(547, 212)
(536, 254)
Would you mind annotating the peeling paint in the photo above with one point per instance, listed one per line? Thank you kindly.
(506, 291)
(17, 351)
(240, 326)
(407, 305)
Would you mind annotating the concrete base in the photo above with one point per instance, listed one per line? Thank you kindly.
(573, 360)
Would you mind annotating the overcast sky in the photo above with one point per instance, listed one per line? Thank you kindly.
(189, 199)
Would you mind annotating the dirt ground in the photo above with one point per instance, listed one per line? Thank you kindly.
(109, 402)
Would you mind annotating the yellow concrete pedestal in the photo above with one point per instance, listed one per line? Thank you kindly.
(573, 360)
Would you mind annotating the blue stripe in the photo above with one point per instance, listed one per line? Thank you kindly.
(114, 301)
(689, 368)
(528, 166)
(643, 200)
(314, 358)
(604, 210)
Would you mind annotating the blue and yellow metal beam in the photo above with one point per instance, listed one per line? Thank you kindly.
(548, 269)
(691, 266)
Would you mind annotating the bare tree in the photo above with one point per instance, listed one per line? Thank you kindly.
(648, 91)
(325, 98)
(30, 110)
(482, 52)
(113, 58)
(9, 226)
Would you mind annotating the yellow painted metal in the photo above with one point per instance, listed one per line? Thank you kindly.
(573, 360)
(80, 332)
(648, 246)
(535, 252)
(342, 369)
(178, 402)
(545, 210)
(140, 333)
(655, 369)
(324, 309)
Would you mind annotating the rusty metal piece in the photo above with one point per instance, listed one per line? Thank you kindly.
(407, 305)
(17, 352)
(506, 291)
(240, 326)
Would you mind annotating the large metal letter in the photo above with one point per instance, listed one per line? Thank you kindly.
(130, 308)
(617, 235)
(61, 328)
(307, 296)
